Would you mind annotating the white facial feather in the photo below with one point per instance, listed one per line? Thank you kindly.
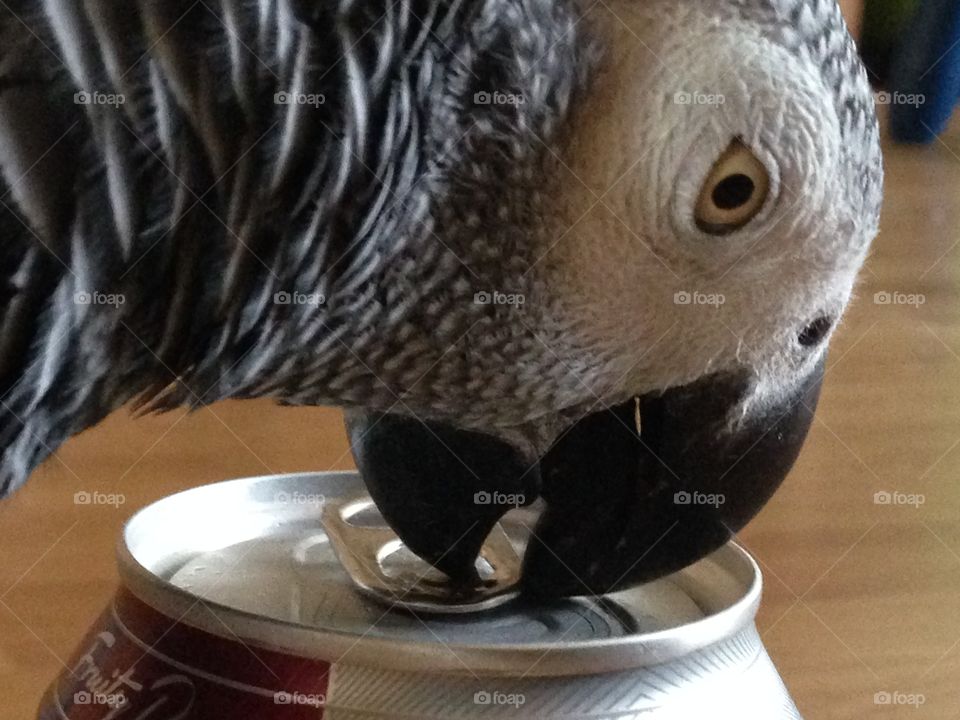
(665, 300)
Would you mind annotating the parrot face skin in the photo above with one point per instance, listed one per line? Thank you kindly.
(727, 90)
(592, 255)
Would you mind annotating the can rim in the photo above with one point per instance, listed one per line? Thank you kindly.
(537, 659)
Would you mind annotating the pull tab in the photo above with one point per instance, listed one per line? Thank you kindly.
(364, 552)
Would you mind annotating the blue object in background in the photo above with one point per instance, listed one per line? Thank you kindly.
(924, 83)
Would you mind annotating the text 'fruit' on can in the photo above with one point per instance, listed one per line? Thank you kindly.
(234, 604)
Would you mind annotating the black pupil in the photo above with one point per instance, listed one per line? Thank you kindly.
(733, 192)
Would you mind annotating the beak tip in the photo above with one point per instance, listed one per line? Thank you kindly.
(438, 486)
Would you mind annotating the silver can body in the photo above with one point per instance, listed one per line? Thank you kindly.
(248, 561)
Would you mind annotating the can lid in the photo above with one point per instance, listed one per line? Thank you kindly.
(249, 558)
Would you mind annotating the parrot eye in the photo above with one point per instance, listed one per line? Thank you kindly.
(734, 192)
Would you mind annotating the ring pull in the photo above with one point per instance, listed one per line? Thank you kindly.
(365, 552)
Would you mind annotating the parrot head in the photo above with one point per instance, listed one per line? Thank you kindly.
(720, 186)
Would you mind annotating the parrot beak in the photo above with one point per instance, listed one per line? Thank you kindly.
(440, 488)
(627, 505)
(626, 502)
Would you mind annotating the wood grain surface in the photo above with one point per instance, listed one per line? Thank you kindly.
(853, 10)
(860, 597)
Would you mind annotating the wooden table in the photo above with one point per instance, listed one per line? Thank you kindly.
(853, 10)
(860, 598)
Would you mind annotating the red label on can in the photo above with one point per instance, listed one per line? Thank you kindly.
(139, 664)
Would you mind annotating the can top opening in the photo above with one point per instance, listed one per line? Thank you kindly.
(382, 569)
(255, 552)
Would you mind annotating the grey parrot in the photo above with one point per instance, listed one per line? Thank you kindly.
(588, 253)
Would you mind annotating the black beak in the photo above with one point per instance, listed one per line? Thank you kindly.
(626, 507)
(623, 505)
(440, 488)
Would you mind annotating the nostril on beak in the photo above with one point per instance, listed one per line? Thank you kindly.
(814, 333)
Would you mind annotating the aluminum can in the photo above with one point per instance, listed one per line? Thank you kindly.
(234, 604)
